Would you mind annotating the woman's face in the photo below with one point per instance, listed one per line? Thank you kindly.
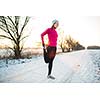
(56, 25)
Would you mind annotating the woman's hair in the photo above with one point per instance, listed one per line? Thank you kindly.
(53, 22)
(52, 26)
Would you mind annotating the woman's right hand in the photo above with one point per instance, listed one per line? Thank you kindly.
(43, 46)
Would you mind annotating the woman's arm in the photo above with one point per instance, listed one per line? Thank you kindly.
(42, 36)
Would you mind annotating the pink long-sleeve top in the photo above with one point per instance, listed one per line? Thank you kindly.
(52, 37)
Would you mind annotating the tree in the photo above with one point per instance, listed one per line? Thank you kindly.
(70, 42)
(93, 47)
(14, 29)
(78, 46)
(61, 39)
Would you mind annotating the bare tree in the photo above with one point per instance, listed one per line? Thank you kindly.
(73, 44)
(70, 42)
(61, 40)
(14, 31)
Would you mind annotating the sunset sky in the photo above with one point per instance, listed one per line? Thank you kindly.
(84, 29)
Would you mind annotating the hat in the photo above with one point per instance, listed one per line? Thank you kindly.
(54, 21)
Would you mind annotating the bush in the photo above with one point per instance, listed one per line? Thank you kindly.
(93, 47)
(78, 47)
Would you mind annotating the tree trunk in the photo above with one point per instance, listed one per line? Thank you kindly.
(17, 54)
(63, 50)
(68, 49)
(17, 51)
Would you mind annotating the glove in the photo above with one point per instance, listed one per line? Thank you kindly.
(43, 46)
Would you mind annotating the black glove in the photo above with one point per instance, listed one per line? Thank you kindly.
(43, 45)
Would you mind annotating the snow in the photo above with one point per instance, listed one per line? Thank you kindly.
(74, 67)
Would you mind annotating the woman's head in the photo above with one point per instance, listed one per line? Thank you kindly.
(55, 24)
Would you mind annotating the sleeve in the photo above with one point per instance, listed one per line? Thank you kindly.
(43, 34)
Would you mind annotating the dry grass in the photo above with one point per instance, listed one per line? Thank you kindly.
(27, 53)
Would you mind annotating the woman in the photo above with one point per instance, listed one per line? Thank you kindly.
(52, 43)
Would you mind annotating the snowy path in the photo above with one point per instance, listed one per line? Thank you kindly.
(68, 68)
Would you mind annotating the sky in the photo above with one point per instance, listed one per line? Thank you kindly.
(84, 29)
(80, 19)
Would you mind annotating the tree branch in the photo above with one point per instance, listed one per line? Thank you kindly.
(8, 29)
(24, 37)
(13, 25)
(17, 21)
(25, 23)
(4, 36)
(3, 29)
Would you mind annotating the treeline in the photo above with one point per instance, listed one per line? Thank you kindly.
(68, 44)
(93, 47)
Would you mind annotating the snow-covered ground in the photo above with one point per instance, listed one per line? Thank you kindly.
(75, 67)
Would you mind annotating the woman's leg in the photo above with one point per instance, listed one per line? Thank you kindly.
(51, 53)
(50, 67)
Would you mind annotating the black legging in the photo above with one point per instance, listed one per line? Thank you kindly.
(50, 66)
(51, 52)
